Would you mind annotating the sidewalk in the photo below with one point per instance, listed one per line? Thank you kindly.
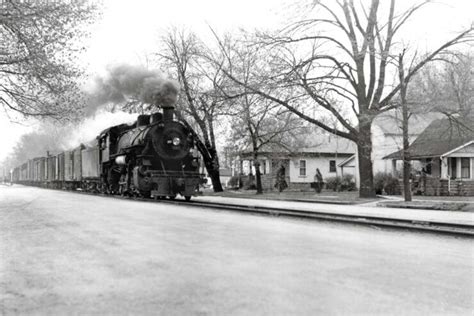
(369, 209)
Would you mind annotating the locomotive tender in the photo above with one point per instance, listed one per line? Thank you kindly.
(155, 157)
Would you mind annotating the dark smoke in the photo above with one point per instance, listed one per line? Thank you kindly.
(124, 83)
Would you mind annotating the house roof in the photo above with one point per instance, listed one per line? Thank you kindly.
(346, 161)
(439, 138)
(331, 146)
(326, 146)
(390, 122)
(316, 145)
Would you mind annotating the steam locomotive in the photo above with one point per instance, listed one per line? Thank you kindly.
(155, 157)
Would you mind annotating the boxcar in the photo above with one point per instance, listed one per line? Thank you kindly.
(24, 172)
(51, 161)
(60, 168)
(31, 171)
(42, 171)
(77, 163)
(15, 176)
(90, 161)
(69, 182)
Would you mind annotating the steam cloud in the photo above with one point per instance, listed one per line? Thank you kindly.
(126, 82)
(121, 83)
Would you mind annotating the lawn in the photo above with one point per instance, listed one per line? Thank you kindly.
(351, 197)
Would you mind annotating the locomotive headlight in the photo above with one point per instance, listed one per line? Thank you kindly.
(176, 141)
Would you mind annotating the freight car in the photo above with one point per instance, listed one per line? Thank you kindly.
(155, 157)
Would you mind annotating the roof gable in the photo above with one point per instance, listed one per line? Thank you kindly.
(467, 148)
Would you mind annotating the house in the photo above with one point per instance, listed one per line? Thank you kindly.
(335, 156)
(224, 175)
(445, 151)
(387, 138)
(300, 165)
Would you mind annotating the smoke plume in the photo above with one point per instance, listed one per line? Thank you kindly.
(124, 83)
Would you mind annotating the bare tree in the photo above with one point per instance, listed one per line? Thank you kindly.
(200, 102)
(258, 125)
(338, 64)
(37, 55)
(445, 86)
(256, 122)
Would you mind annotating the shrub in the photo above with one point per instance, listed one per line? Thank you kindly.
(249, 183)
(385, 182)
(379, 180)
(333, 183)
(344, 183)
(233, 182)
(392, 186)
(348, 183)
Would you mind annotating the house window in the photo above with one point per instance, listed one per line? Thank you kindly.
(429, 162)
(332, 165)
(302, 167)
(465, 168)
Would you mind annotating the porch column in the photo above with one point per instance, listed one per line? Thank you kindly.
(444, 168)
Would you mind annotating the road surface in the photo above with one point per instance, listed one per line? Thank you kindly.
(64, 253)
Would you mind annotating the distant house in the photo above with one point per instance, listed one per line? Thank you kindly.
(224, 175)
(445, 151)
(300, 165)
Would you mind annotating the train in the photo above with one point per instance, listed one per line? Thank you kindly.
(156, 157)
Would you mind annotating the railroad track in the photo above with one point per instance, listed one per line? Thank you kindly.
(424, 226)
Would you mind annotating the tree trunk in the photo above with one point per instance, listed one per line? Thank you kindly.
(258, 176)
(406, 143)
(215, 179)
(364, 150)
(212, 167)
(406, 155)
(211, 162)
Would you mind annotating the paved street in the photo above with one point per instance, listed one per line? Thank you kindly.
(64, 253)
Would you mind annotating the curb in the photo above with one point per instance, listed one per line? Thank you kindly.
(431, 207)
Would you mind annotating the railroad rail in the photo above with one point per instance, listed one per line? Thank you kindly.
(425, 226)
(457, 229)
(408, 224)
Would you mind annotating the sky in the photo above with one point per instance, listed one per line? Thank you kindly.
(129, 30)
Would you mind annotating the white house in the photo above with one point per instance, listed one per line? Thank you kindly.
(300, 165)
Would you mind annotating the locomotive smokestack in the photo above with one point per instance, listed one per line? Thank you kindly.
(166, 97)
(168, 113)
